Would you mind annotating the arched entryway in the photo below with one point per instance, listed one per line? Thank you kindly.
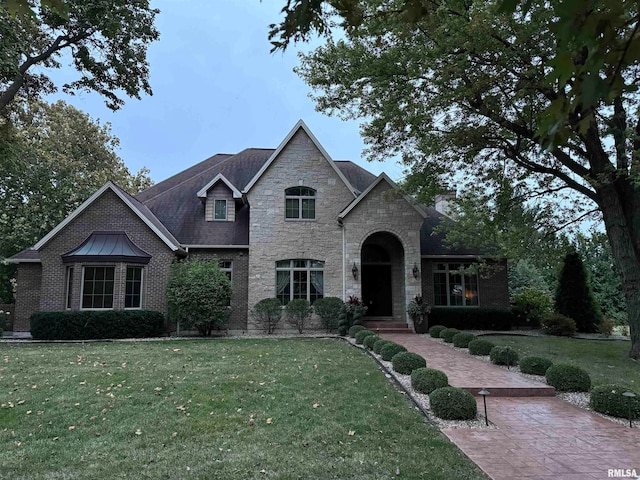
(382, 260)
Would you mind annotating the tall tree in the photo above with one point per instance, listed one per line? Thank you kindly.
(466, 89)
(105, 40)
(53, 158)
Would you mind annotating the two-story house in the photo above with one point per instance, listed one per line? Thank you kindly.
(286, 223)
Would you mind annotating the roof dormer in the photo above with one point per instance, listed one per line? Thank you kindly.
(219, 197)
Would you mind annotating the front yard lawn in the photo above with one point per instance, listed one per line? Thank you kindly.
(228, 409)
(606, 361)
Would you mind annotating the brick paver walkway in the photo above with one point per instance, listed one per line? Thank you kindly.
(536, 437)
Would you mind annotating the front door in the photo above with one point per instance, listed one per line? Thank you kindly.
(376, 290)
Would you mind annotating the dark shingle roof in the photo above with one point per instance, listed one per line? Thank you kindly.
(358, 177)
(26, 255)
(432, 244)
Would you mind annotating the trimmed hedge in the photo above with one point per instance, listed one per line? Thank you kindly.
(355, 329)
(503, 356)
(608, 399)
(369, 340)
(568, 378)
(377, 346)
(451, 403)
(388, 351)
(91, 325)
(435, 330)
(462, 339)
(426, 380)
(407, 362)
(535, 365)
(448, 333)
(473, 318)
(361, 335)
(480, 346)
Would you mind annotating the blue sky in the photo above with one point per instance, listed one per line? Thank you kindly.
(217, 89)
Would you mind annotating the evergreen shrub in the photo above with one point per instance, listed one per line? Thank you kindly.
(426, 380)
(388, 351)
(503, 356)
(451, 403)
(568, 378)
(608, 399)
(448, 333)
(535, 365)
(407, 362)
(462, 339)
(480, 346)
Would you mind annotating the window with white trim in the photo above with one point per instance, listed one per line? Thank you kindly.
(226, 266)
(220, 209)
(300, 203)
(299, 278)
(97, 288)
(454, 285)
(133, 288)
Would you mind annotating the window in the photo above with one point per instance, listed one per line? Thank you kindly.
(97, 287)
(226, 267)
(453, 287)
(133, 290)
(300, 203)
(220, 210)
(299, 279)
(69, 292)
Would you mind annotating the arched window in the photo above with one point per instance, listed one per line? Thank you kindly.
(300, 203)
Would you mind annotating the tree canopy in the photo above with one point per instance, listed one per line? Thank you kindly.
(469, 88)
(106, 41)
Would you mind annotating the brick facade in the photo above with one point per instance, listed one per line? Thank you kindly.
(27, 295)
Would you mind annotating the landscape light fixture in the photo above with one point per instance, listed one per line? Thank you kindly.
(354, 270)
(484, 392)
(629, 396)
(416, 271)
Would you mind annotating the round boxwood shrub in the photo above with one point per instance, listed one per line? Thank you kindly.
(535, 365)
(480, 346)
(360, 336)
(407, 362)
(451, 403)
(448, 333)
(377, 346)
(355, 329)
(435, 330)
(369, 340)
(388, 351)
(568, 378)
(608, 399)
(503, 356)
(426, 380)
(462, 339)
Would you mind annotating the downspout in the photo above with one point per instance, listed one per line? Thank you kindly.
(344, 260)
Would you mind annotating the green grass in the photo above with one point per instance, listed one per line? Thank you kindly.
(228, 409)
(606, 361)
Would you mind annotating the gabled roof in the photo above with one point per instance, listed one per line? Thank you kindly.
(140, 210)
(202, 193)
(28, 255)
(298, 126)
(383, 177)
(432, 244)
(107, 247)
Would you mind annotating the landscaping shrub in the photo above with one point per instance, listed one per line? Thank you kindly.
(361, 335)
(473, 318)
(377, 346)
(369, 341)
(435, 330)
(605, 327)
(426, 380)
(407, 362)
(267, 314)
(298, 313)
(351, 313)
(535, 365)
(608, 399)
(355, 329)
(503, 356)
(559, 325)
(328, 309)
(568, 378)
(87, 324)
(531, 306)
(462, 339)
(448, 333)
(480, 346)
(451, 403)
(388, 351)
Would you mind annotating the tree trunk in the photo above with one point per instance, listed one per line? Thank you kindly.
(620, 204)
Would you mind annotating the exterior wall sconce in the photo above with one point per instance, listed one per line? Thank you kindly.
(484, 392)
(354, 270)
(629, 396)
(416, 271)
